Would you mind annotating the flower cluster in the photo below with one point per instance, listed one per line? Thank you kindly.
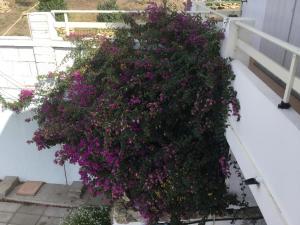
(25, 98)
(26, 95)
(146, 117)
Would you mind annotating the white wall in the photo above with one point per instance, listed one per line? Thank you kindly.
(266, 144)
(17, 158)
(18, 62)
(21, 60)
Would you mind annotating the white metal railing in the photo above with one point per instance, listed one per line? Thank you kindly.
(90, 25)
(287, 76)
(67, 24)
(206, 12)
(35, 43)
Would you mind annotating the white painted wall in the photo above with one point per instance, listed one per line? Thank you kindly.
(17, 158)
(22, 59)
(266, 144)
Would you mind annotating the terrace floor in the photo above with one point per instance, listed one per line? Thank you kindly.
(48, 206)
(30, 214)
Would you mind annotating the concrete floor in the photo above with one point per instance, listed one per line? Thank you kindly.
(55, 195)
(29, 214)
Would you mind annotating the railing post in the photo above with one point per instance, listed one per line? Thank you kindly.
(231, 37)
(67, 24)
(290, 83)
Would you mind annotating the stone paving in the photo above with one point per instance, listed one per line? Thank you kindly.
(29, 214)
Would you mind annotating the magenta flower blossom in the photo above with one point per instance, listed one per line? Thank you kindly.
(135, 101)
(80, 92)
(26, 95)
(224, 166)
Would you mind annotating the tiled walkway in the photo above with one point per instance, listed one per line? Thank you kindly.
(25, 214)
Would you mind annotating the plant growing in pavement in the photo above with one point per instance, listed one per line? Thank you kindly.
(88, 216)
(145, 117)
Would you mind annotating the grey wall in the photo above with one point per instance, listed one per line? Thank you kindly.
(255, 9)
(282, 20)
(294, 37)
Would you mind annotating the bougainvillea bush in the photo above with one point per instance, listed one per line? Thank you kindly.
(145, 117)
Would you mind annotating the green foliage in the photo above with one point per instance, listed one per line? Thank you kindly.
(48, 5)
(25, 2)
(108, 5)
(84, 51)
(88, 216)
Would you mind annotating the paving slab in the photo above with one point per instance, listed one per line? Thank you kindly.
(30, 214)
(45, 220)
(58, 195)
(9, 207)
(75, 190)
(7, 185)
(56, 212)
(5, 216)
(32, 209)
(29, 188)
(49, 194)
(24, 219)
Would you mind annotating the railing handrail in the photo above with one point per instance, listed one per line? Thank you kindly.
(287, 76)
(67, 24)
(35, 43)
(97, 11)
(208, 11)
(287, 46)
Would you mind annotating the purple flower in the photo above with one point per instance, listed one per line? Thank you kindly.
(26, 95)
(150, 75)
(117, 191)
(224, 166)
(80, 92)
(135, 101)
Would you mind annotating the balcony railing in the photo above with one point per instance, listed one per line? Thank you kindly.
(67, 24)
(287, 76)
(90, 25)
(235, 42)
